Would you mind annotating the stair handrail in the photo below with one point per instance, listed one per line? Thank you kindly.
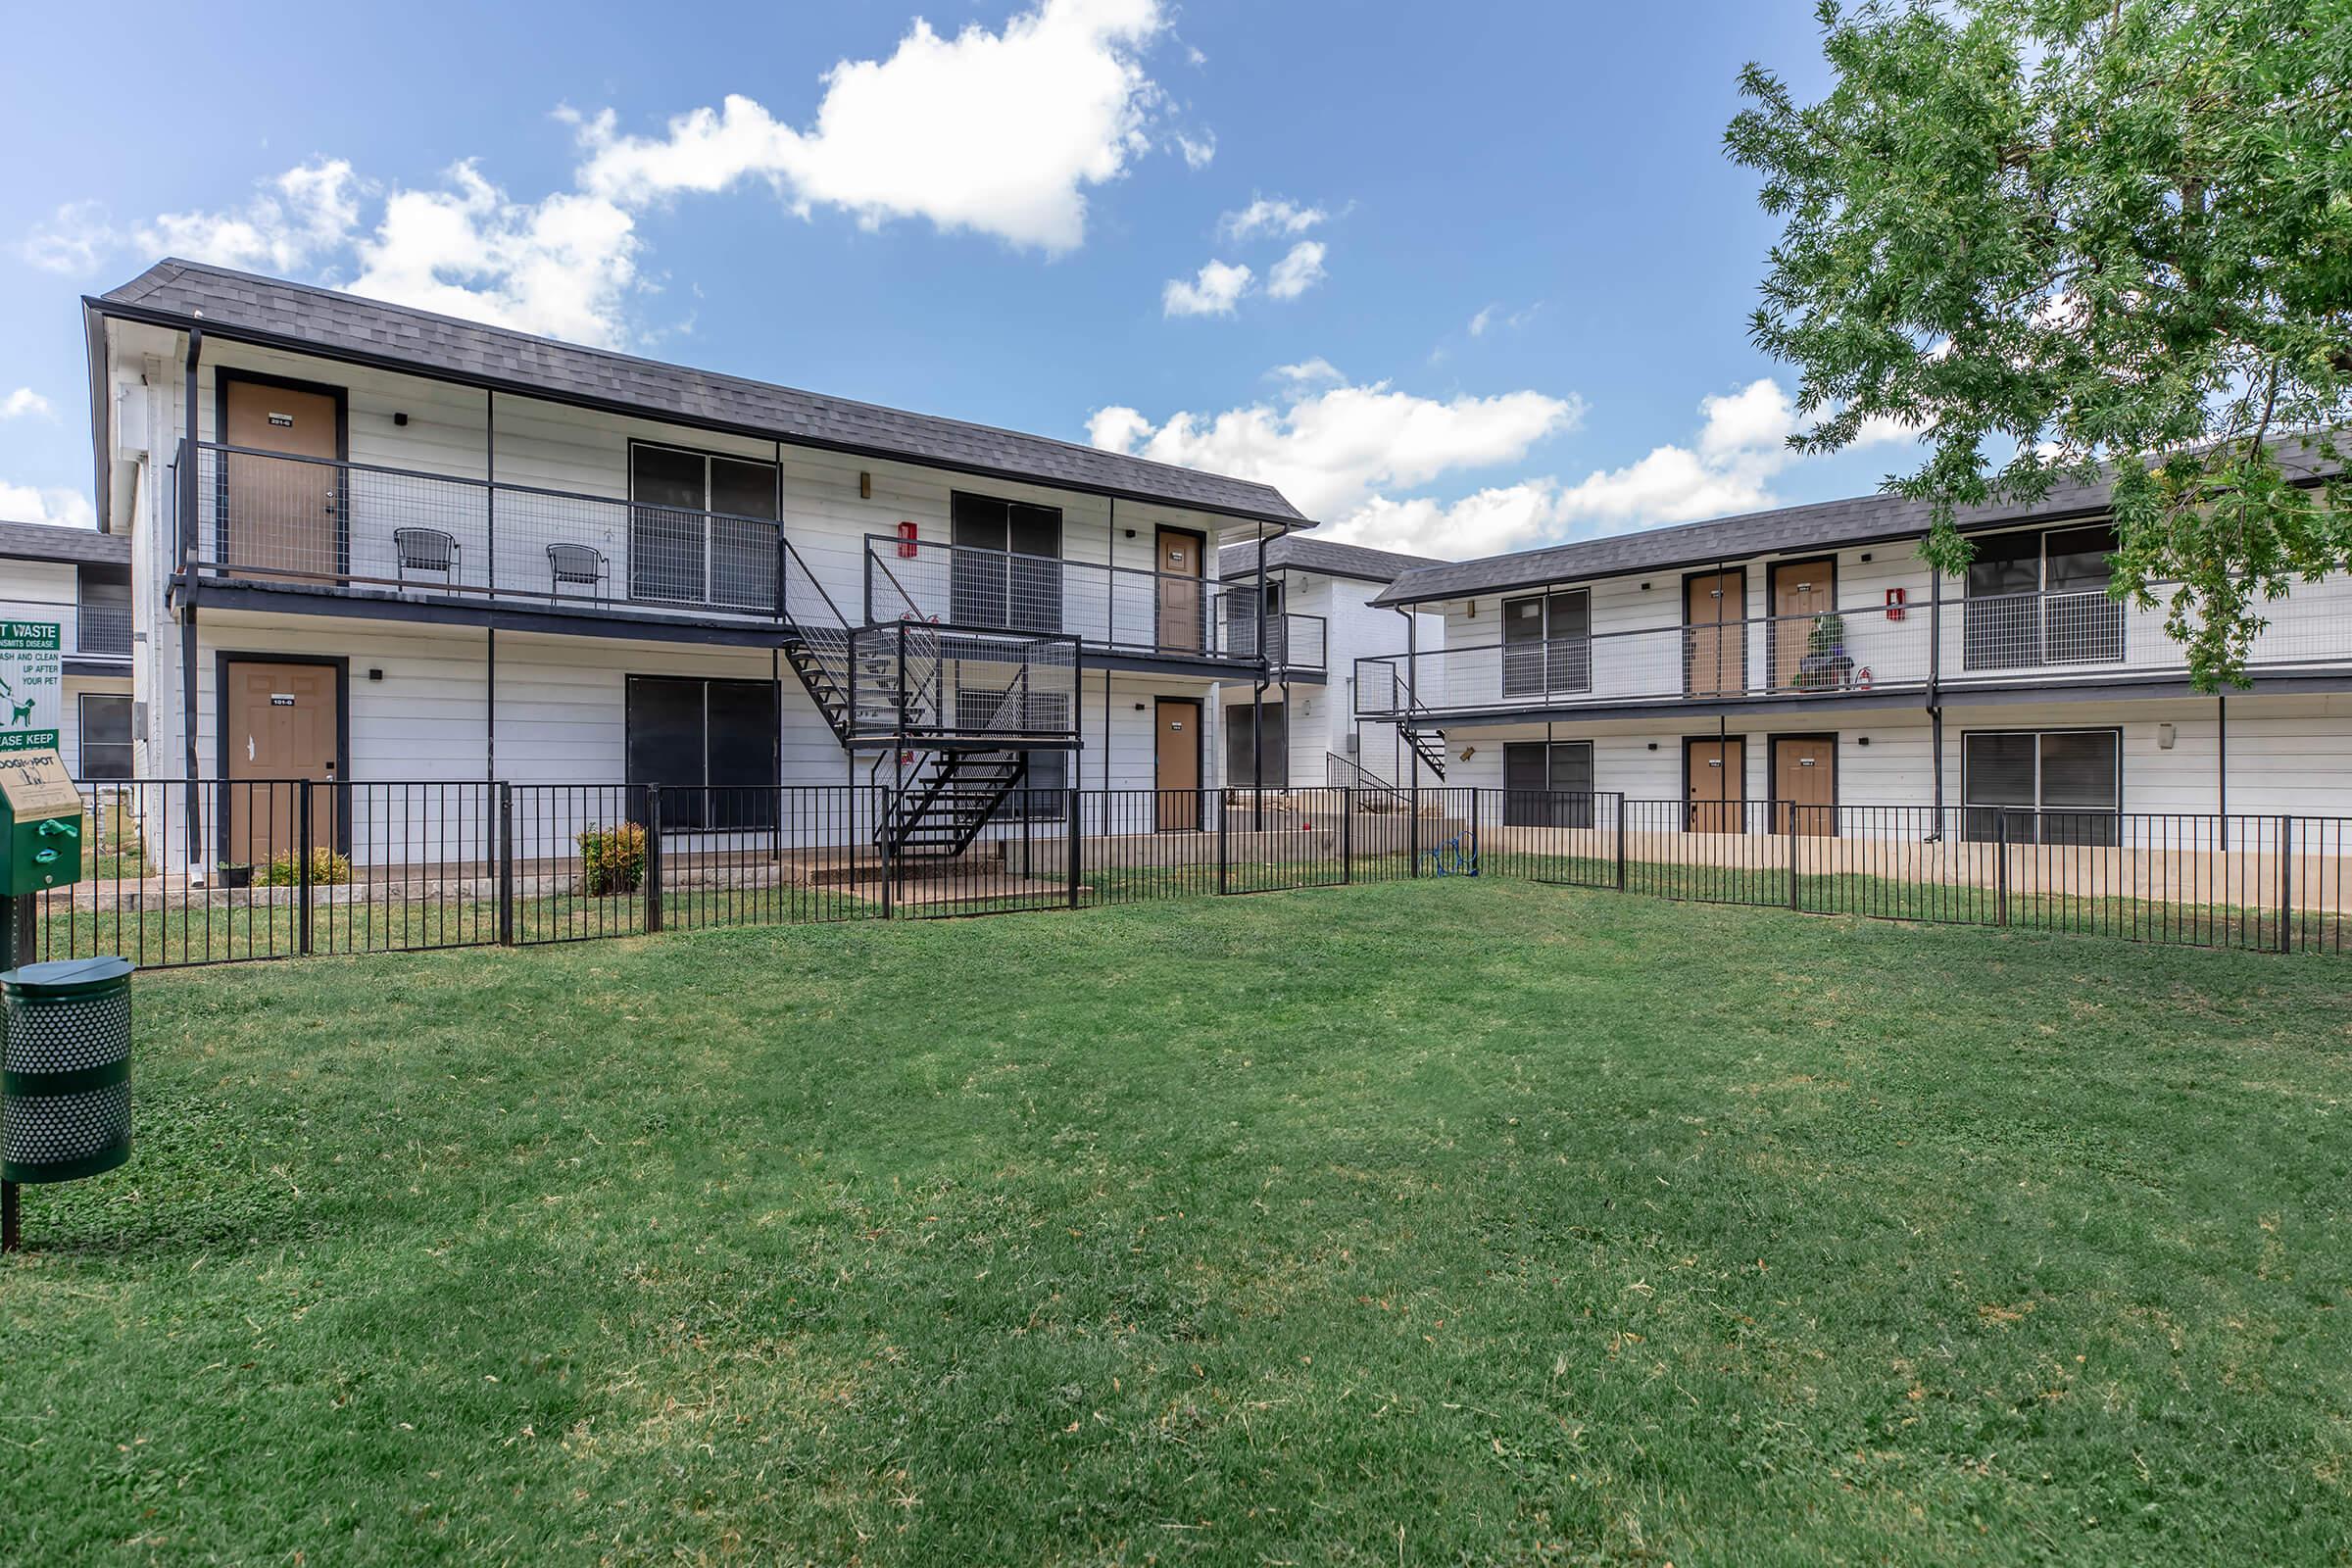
(1355, 776)
(788, 558)
(913, 610)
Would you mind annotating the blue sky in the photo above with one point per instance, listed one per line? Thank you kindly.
(1496, 246)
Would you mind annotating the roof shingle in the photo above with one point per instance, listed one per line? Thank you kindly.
(332, 323)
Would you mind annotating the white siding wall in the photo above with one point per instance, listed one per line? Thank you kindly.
(51, 591)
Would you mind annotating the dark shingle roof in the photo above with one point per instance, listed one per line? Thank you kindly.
(49, 541)
(1855, 521)
(328, 321)
(1326, 555)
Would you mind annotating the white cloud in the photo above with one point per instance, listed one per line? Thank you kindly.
(1198, 151)
(71, 241)
(1350, 454)
(998, 132)
(1213, 291)
(1317, 368)
(1494, 315)
(1270, 214)
(1330, 451)
(1487, 523)
(21, 402)
(296, 220)
(564, 266)
(1297, 272)
(24, 502)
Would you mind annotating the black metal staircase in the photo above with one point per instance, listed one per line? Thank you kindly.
(913, 686)
(945, 806)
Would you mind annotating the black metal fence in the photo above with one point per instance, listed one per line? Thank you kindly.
(209, 871)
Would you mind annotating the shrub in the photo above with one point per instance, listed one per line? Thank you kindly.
(327, 869)
(611, 860)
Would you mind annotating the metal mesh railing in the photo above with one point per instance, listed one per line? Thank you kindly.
(265, 517)
(1131, 609)
(1984, 640)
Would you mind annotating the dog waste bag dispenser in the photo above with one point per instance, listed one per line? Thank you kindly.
(40, 825)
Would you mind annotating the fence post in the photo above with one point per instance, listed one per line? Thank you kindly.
(1347, 836)
(301, 876)
(1621, 840)
(883, 805)
(2286, 884)
(505, 865)
(653, 858)
(1791, 805)
(2000, 869)
(1223, 857)
(1077, 825)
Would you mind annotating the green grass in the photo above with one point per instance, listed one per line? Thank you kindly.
(1458, 1221)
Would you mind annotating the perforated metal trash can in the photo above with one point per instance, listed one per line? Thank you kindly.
(65, 1069)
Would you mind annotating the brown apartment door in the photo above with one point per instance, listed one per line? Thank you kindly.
(1176, 763)
(280, 518)
(1179, 564)
(1714, 638)
(1717, 784)
(285, 723)
(1800, 591)
(1804, 785)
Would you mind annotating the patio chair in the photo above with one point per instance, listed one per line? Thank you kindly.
(425, 549)
(581, 566)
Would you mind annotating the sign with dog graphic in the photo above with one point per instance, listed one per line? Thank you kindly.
(32, 685)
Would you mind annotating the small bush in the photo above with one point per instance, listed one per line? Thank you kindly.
(611, 860)
(327, 869)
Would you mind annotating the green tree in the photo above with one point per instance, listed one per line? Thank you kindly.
(2068, 238)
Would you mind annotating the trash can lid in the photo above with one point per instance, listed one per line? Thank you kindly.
(62, 977)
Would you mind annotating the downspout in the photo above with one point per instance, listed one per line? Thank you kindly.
(193, 520)
(490, 542)
(1257, 703)
(1936, 693)
(2220, 764)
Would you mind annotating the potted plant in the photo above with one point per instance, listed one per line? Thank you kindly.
(236, 875)
(1825, 666)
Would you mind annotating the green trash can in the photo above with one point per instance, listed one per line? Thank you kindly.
(65, 1069)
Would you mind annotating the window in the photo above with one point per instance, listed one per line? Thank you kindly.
(1546, 644)
(105, 736)
(686, 733)
(1241, 741)
(2051, 785)
(2036, 599)
(103, 624)
(1041, 793)
(1547, 784)
(702, 528)
(1007, 568)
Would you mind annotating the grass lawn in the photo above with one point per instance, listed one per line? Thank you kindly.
(1458, 1221)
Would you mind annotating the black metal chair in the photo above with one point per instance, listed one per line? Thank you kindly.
(425, 549)
(580, 566)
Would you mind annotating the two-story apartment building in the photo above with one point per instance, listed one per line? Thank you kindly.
(1303, 716)
(1753, 666)
(78, 580)
(374, 543)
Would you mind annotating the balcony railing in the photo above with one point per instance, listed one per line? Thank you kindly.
(1293, 640)
(103, 631)
(1119, 608)
(2009, 639)
(922, 684)
(266, 517)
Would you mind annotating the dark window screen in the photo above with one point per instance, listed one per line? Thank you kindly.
(1547, 785)
(1241, 739)
(105, 736)
(684, 733)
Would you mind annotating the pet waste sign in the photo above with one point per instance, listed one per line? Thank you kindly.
(32, 685)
